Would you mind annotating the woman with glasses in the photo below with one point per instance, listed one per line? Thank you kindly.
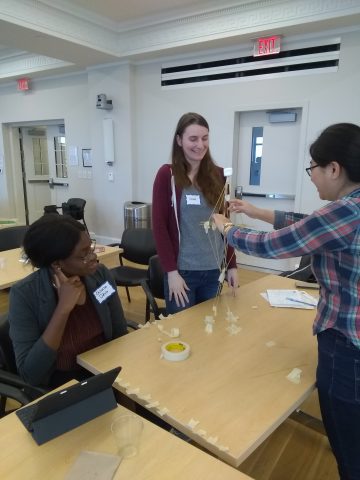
(331, 235)
(67, 306)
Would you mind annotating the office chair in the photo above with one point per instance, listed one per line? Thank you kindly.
(51, 209)
(12, 237)
(138, 246)
(153, 287)
(11, 384)
(303, 272)
(75, 207)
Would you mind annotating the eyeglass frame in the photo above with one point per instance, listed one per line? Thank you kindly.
(92, 247)
(308, 169)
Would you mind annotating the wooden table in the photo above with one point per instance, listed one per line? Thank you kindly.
(234, 386)
(8, 222)
(12, 270)
(162, 456)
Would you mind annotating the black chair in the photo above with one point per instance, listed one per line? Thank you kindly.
(11, 384)
(138, 246)
(51, 209)
(153, 287)
(75, 207)
(12, 237)
(303, 272)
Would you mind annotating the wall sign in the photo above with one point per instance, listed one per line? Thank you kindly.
(267, 46)
(23, 84)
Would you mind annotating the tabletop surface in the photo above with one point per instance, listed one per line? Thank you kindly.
(12, 269)
(233, 390)
(162, 456)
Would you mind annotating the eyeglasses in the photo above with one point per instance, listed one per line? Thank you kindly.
(86, 258)
(308, 169)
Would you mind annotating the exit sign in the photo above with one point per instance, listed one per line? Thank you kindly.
(267, 46)
(23, 84)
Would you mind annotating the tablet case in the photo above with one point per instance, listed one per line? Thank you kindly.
(69, 408)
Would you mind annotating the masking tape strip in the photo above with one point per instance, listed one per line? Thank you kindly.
(295, 375)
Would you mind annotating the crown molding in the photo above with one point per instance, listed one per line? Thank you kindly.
(42, 18)
(26, 64)
(240, 21)
(243, 19)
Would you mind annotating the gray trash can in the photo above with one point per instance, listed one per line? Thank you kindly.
(137, 215)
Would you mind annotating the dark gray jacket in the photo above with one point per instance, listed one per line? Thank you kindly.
(32, 304)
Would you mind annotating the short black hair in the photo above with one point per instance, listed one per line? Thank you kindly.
(52, 237)
(339, 143)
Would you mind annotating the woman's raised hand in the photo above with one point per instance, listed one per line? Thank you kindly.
(241, 206)
(71, 290)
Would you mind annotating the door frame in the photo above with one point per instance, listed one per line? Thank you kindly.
(304, 106)
(13, 167)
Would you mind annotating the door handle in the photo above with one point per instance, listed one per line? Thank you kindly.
(271, 196)
(53, 184)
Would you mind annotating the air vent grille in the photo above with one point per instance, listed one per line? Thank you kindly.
(315, 58)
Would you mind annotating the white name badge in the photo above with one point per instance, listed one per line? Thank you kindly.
(103, 292)
(192, 199)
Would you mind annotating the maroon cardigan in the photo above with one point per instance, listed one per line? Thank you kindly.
(164, 222)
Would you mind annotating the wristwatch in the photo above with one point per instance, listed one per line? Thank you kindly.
(227, 227)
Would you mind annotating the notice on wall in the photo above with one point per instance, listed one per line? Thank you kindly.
(73, 156)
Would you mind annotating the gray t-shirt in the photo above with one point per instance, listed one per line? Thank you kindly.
(198, 250)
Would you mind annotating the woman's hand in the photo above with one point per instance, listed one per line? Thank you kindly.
(220, 221)
(177, 288)
(232, 279)
(71, 291)
(241, 206)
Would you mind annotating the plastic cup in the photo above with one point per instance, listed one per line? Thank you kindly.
(127, 430)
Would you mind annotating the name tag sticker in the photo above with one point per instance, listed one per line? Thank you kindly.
(192, 199)
(103, 292)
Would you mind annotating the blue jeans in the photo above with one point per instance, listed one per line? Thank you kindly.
(203, 285)
(338, 383)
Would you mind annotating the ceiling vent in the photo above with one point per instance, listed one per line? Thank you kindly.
(314, 58)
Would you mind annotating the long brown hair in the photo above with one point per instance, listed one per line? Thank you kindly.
(208, 178)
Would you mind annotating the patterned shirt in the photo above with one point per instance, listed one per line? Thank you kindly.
(332, 236)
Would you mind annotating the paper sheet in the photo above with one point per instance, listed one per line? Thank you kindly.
(291, 299)
(94, 465)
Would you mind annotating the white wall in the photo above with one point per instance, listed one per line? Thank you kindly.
(145, 117)
(73, 98)
(62, 98)
(330, 97)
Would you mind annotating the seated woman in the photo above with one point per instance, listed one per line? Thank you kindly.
(69, 305)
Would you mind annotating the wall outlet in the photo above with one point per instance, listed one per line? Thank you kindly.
(111, 176)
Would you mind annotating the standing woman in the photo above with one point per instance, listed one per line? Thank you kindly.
(332, 236)
(67, 306)
(185, 195)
